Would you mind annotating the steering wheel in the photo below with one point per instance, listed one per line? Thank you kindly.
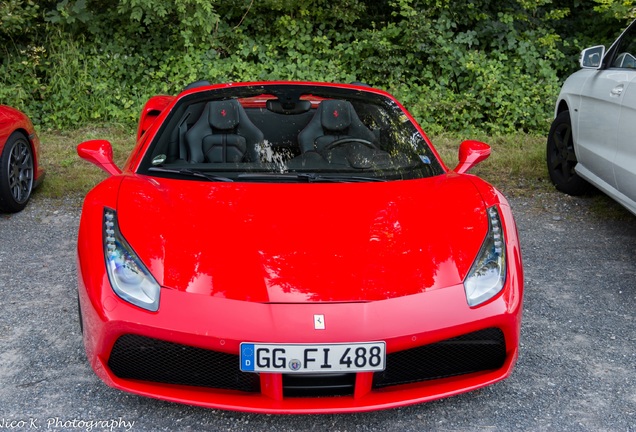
(347, 140)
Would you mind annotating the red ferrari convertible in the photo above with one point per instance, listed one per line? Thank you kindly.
(20, 170)
(282, 247)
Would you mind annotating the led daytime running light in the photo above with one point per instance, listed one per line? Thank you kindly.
(495, 228)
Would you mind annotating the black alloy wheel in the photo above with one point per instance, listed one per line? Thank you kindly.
(16, 173)
(561, 158)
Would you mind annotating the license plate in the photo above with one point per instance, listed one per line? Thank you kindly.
(323, 358)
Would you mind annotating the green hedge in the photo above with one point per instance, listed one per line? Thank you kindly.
(458, 65)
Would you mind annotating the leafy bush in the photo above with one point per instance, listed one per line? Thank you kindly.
(459, 65)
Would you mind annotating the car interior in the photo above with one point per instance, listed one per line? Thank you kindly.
(274, 133)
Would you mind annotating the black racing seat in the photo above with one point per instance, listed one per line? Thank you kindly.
(334, 119)
(223, 133)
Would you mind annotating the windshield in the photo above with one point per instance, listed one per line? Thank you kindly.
(289, 132)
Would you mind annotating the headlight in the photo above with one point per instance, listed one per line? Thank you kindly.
(487, 276)
(128, 277)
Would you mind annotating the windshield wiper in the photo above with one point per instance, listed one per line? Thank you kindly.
(193, 173)
(307, 177)
(312, 177)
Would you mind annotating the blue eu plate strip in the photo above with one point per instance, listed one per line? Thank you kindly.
(247, 357)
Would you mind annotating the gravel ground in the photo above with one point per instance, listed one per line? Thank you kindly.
(577, 368)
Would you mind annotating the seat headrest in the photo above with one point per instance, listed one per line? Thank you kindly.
(224, 115)
(336, 115)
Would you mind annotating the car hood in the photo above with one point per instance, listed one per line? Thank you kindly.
(291, 243)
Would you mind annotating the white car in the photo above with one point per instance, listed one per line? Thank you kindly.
(593, 136)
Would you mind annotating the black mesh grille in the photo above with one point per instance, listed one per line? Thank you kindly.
(146, 359)
(316, 385)
(473, 352)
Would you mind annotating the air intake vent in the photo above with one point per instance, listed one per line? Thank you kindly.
(316, 385)
(474, 352)
(141, 358)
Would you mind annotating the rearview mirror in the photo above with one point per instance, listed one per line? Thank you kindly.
(471, 152)
(100, 153)
(591, 57)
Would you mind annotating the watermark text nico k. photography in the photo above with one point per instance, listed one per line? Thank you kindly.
(59, 423)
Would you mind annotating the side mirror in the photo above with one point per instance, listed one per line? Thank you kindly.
(100, 153)
(591, 58)
(470, 154)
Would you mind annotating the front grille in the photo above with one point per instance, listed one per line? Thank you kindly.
(316, 385)
(474, 352)
(146, 359)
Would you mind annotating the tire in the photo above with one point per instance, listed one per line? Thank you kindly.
(79, 313)
(16, 173)
(561, 158)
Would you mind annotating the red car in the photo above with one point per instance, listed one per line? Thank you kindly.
(20, 170)
(295, 248)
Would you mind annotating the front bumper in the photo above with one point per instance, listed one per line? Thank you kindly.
(201, 324)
